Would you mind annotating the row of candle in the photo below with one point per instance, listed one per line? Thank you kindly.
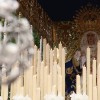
(44, 76)
(90, 84)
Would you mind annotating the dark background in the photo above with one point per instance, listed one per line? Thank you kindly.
(64, 10)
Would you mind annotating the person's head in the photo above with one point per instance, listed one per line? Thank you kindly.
(77, 55)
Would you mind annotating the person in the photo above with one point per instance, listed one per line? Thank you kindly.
(72, 68)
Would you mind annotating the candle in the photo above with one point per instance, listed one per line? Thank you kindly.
(95, 93)
(35, 60)
(34, 88)
(48, 56)
(38, 68)
(45, 79)
(90, 88)
(49, 84)
(41, 47)
(60, 54)
(78, 87)
(98, 82)
(55, 54)
(42, 80)
(94, 72)
(63, 72)
(88, 68)
(84, 79)
(59, 85)
(44, 51)
(51, 61)
(38, 93)
(53, 97)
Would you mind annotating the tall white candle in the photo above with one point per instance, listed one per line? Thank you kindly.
(44, 51)
(63, 72)
(48, 56)
(95, 93)
(41, 43)
(84, 80)
(88, 68)
(94, 72)
(42, 80)
(98, 82)
(49, 84)
(90, 92)
(78, 86)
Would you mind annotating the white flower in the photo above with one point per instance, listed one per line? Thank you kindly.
(78, 96)
(1, 98)
(16, 97)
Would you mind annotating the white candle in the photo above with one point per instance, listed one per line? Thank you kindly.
(60, 54)
(98, 82)
(41, 48)
(45, 80)
(49, 84)
(84, 80)
(44, 51)
(48, 56)
(94, 72)
(63, 72)
(88, 68)
(59, 85)
(34, 87)
(78, 86)
(38, 93)
(42, 80)
(95, 93)
(90, 88)
(38, 68)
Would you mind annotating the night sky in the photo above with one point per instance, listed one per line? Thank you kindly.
(64, 10)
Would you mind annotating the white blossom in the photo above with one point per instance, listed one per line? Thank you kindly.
(78, 96)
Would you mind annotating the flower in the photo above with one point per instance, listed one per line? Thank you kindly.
(78, 96)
